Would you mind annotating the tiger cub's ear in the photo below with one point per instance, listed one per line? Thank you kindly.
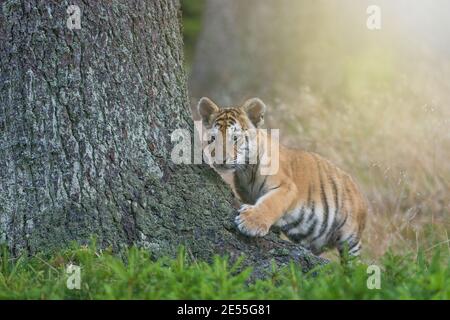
(207, 109)
(255, 110)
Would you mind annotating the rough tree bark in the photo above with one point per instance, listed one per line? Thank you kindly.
(85, 123)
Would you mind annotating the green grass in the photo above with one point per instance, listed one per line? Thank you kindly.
(137, 276)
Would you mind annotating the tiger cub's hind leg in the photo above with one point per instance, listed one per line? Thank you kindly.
(349, 246)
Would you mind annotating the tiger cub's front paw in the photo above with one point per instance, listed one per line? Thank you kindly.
(250, 222)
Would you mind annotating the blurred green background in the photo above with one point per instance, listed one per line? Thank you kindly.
(192, 23)
(375, 102)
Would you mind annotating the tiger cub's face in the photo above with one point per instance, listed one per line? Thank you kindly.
(232, 131)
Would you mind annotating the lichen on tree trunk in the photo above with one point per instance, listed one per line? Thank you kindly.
(85, 123)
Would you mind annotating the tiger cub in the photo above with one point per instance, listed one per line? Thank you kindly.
(313, 202)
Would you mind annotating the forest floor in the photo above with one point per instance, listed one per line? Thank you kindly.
(135, 275)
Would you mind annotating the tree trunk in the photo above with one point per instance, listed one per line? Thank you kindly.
(86, 117)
